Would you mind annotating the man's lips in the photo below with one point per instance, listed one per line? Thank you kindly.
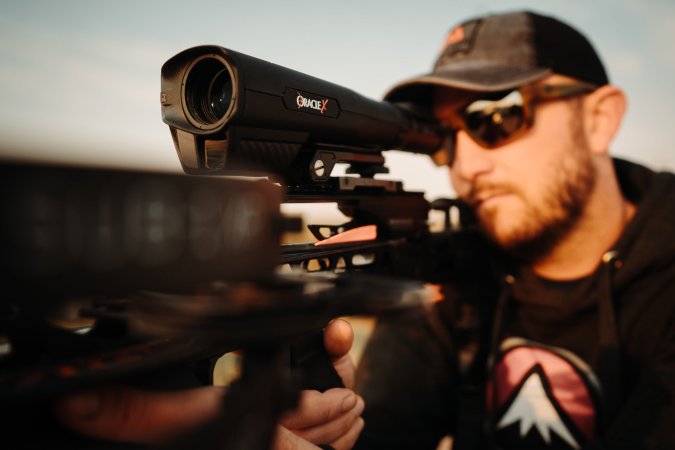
(484, 199)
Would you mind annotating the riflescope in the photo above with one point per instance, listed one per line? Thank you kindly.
(232, 113)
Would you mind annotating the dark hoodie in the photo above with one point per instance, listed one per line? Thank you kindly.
(588, 363)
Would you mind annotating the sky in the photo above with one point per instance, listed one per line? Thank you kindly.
(80, 80)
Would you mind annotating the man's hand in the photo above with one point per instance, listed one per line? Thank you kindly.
(131, 415)
(332, 417)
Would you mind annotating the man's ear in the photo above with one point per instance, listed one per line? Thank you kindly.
(604, 109)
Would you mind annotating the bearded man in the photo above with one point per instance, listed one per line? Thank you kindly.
(574, 345)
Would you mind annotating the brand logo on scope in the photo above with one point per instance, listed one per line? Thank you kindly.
(308, 102)
(304, 102)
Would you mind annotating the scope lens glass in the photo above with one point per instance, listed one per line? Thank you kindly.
(208, 91)
(220, 94)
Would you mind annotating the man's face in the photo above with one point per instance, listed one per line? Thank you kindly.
(528, 193)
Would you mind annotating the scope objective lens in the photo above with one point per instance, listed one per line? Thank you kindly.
(220, 94)
(208, 91)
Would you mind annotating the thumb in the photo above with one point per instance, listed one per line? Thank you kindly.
(337, 339)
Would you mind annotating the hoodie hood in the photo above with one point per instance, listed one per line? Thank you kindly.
(647, 245)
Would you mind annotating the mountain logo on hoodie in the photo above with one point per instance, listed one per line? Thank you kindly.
(542, 397)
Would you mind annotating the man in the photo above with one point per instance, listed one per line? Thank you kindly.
(576, 346)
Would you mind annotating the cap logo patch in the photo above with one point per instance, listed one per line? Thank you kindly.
(456, 35)
(460, 39)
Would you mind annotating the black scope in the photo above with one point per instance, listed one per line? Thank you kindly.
(231, 113)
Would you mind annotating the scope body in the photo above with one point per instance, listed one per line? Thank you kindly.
(229, 112)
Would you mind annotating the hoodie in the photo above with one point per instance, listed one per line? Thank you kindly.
(590, 363)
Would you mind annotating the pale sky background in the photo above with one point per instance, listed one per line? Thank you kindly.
(79, 80)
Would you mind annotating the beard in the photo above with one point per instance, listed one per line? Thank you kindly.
(557, 210)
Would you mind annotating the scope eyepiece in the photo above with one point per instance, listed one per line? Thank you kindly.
(209, 92)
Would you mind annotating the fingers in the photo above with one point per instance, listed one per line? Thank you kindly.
(348, 439)
(286, 440)
(131, 415)
(337, 339)
(332, 417)
(341, 429)
(316, 408)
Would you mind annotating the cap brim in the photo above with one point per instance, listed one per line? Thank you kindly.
(479, 78)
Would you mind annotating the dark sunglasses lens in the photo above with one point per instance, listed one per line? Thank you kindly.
(493, 121)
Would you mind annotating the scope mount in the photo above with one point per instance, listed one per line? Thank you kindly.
(366, 165)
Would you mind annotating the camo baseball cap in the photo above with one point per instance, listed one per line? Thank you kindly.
(503, 51)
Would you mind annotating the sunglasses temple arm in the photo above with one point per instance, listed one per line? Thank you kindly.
(565, 90)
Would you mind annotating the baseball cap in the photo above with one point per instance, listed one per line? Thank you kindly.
(503, 51)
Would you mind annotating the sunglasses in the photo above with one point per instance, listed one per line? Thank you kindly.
(496, 119)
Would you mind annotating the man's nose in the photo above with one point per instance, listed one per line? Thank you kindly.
(471, 160)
